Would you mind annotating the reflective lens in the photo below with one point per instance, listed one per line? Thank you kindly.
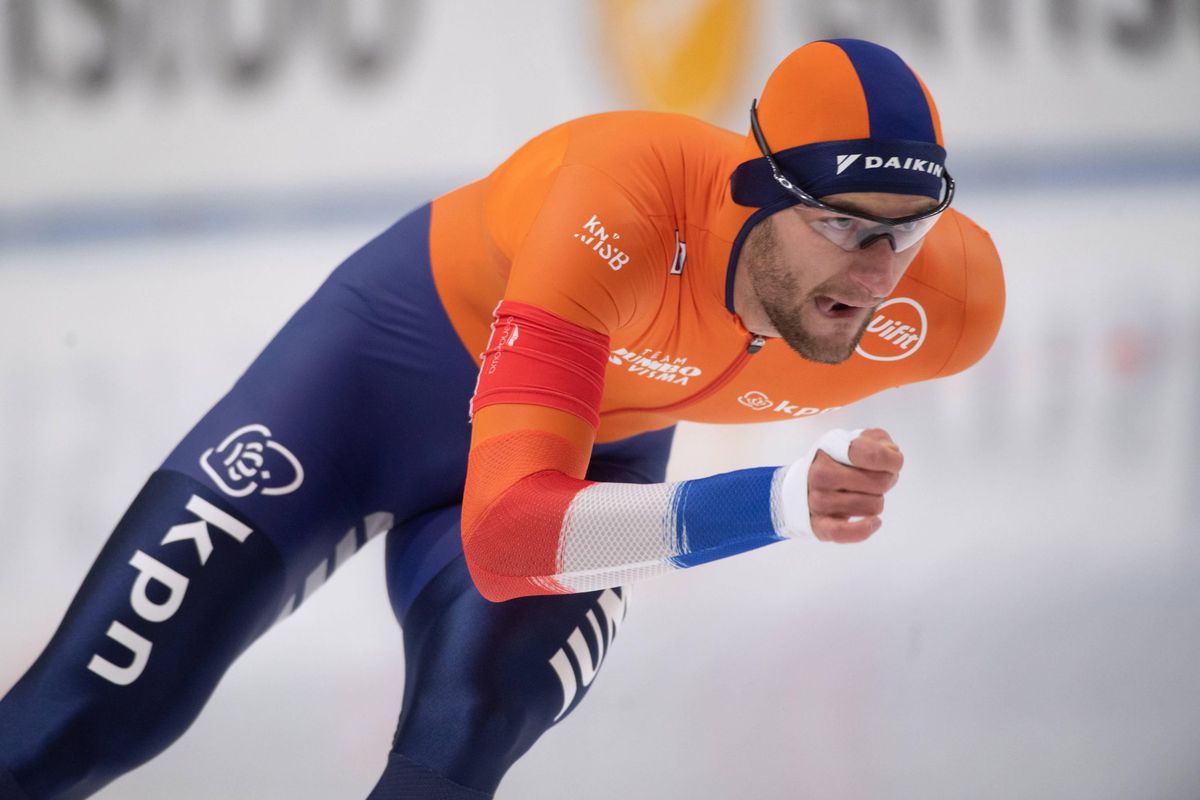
(851, 232)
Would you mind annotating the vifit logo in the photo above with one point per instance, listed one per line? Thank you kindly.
(897, 330)
(892, 162)
(602, 242)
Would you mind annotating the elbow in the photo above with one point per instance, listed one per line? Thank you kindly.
(504, 566)
(494, 588)
(511, 545)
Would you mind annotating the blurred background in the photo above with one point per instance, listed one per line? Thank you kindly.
(176, 176)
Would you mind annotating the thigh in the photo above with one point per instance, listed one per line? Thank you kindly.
(483, 680)
(351, 421)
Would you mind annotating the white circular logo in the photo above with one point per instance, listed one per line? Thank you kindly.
(896, 331)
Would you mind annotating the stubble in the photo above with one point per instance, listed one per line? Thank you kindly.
(784, 300)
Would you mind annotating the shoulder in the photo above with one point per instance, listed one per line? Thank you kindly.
(587, 212)
(652, 157)
(960, 260)
(623, 138)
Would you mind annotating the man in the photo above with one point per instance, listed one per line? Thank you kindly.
(619, 273)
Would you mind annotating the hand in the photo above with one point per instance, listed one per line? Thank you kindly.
(845, 502)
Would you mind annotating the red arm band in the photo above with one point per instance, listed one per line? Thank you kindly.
(538, 358)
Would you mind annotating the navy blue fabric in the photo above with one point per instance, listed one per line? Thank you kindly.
(65, 731)
(368, 385)
(405, 779)
(479, 689)
(900, 167)
(896, 104)
(353, 420)
(723, 515)
(9, 789)
(900, 126)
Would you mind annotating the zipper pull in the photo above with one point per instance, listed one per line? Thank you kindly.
(756, 344)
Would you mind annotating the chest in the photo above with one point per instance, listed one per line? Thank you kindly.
(693, 362)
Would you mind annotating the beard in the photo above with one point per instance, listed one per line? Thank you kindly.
(784, 302)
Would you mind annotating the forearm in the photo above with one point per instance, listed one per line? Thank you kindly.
(550, 533)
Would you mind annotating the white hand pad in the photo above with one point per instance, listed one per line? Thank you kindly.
(790, 492)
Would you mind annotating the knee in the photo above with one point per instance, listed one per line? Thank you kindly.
(485, 680)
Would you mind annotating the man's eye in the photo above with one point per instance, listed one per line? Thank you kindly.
(905, 227)
(839, 223)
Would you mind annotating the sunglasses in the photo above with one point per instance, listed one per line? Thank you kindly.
(854, 230)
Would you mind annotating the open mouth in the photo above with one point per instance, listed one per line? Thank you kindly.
(836, 309)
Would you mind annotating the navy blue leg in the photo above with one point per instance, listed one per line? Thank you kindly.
(483, 680)
(184, 584)
(352, 420)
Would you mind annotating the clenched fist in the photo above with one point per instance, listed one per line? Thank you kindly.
(836, 492)
(844, 502)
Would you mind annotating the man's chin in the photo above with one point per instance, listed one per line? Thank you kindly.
(818, 337)
(831, 348)
(821, 350)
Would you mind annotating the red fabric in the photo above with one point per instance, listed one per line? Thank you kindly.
(504, 564)
(538, 358)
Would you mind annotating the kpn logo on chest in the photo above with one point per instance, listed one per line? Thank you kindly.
(897, 330)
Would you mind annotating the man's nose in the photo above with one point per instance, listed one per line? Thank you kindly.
(873, 267)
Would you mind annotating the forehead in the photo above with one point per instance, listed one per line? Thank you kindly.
(881, 204)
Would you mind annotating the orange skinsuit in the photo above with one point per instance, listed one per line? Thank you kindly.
(622, 225)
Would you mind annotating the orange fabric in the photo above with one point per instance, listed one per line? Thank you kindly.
(583, 222)
(644, 176)
(833, 108)
(937, 119)
(519, 480)
(497, 462)
(508, 418)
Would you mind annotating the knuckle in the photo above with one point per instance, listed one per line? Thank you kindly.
(824, 478)
(874, 484)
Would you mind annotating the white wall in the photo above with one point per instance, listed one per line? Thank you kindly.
(463, 83)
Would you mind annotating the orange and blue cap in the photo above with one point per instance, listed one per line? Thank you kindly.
(843, 115)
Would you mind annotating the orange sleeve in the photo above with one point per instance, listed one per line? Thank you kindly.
(593, 254)
(587, 265)
(984, 305)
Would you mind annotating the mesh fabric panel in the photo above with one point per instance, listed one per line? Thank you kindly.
(616, 533)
